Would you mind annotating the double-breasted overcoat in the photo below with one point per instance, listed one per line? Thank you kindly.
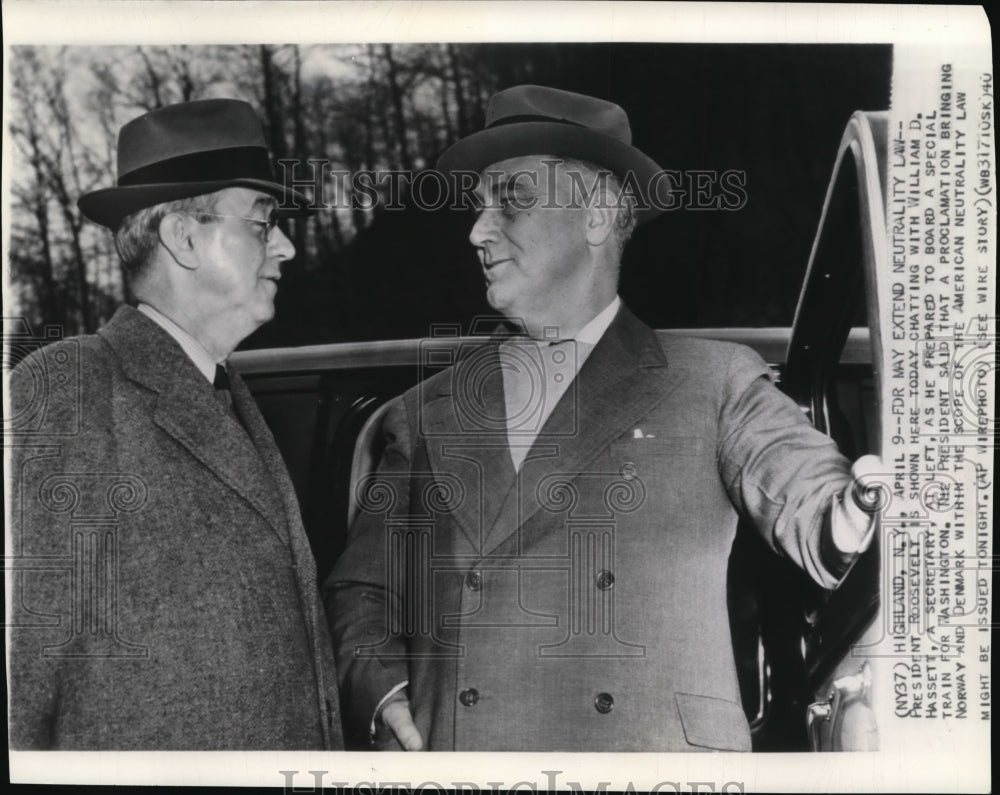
(580, 604)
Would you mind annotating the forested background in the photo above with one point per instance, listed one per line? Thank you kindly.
(775, 112)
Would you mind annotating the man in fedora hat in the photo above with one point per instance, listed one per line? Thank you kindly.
(172, 601)
(539, 563)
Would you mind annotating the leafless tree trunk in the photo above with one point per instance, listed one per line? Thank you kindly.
(272, 103)
(182, 71)
(456, 81)
(298, 141)
(154, 80)
(396, 99)
(25, 127)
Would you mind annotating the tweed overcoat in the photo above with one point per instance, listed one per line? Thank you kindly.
(579, 605)
(164, 590)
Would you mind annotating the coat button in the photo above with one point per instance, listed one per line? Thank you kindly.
(605, 580)
(604, 703)
(469, 696)
(474, 580)
(629, 470)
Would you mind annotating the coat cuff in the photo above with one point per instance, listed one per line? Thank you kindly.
(847, 533)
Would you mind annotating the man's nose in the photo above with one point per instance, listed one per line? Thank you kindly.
(278, 245)
(485, 229)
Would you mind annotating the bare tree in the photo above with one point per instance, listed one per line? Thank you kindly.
(378, 107)
(64, 176)
(152, 83)
(396, 100)
(34, 197)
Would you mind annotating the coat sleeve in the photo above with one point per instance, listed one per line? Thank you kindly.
(362, 605)
(779, 471)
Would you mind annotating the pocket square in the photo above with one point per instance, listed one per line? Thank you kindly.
(657, 442)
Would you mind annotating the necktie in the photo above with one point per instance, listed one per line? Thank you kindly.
(222, 387)
(535, 377)
(223, 392)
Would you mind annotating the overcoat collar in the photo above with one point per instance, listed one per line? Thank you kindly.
(187, 409)
(625, 377)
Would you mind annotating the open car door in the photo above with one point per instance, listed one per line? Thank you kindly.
(802, 685)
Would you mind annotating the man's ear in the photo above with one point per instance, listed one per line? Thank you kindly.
(176, 232)
(600, 223)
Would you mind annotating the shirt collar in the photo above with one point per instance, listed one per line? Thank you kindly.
(591, 333)
(195, 350)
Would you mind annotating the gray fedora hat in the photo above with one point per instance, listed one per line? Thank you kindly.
(538, 120)
(189, 149)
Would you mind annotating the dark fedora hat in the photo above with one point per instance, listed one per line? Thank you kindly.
(538, 120)
(189, 149)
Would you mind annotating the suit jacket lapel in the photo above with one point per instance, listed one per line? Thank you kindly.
(464, 425)
(274, 463)
(298, 541)
(187, 409)
(625, 376)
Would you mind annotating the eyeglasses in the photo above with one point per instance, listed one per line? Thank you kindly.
(266, 224)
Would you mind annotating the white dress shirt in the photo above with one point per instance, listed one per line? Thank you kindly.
(537, 373)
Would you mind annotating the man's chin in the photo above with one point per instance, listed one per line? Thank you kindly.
(499, 300)
(265, 315)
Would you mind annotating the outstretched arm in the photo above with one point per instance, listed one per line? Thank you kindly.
(789, 478)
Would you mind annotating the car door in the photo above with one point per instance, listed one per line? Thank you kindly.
(833, 370)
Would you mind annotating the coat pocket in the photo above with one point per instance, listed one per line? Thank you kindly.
(713, 723)
(659, 444)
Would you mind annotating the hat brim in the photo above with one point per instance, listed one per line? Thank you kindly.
(492, 145)
(109, 206)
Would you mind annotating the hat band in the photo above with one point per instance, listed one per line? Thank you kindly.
(528, 118)
(238, 162)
